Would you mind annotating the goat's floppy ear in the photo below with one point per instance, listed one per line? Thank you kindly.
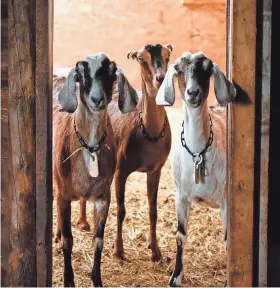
(67, 96)
(128, 97)
(224, 89)
(131, 54)
(166, 92)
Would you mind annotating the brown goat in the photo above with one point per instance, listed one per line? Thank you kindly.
(86, 126)
(143, 141)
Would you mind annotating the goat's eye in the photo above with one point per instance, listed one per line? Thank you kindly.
(140, 58)
(176, 67)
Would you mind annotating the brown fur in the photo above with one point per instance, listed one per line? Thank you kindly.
(137, 153)
(72, 180)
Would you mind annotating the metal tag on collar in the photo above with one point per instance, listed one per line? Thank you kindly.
(197, 159)
(93, 164)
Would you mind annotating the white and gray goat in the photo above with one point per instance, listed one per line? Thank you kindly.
(199, 165)
(84, 153)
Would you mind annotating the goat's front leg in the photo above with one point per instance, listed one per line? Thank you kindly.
(120, 180)
(152, 191)
(64, 211)
(182, 209)
(101, 209)
(82, 222)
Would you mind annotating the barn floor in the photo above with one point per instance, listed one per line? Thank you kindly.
(204, 258)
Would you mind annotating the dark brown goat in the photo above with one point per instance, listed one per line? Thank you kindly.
(82, 134)
(142, 145)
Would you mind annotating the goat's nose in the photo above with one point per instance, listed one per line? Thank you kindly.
(98, 101)
(160, 78)
(193, 92)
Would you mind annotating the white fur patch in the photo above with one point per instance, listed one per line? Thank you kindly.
(177, 280)
(182, 238)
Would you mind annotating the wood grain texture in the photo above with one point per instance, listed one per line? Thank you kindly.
(22, 115)
(4, 147)
(30, 122)
(265, 130)
(241, 144)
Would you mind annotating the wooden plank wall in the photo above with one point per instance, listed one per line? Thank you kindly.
(266, 10)
(22, 121)
(241, 136)
(4, 146)
(30, 122)
(273, 275)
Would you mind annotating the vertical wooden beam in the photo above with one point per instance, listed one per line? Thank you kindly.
(22, 115)
(5, 147)
(242, 145)
(43, 143)
(265, 120)
(30, 123)
(273, 275)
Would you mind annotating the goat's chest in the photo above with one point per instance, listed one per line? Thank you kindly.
(149, 156)
(86, 185)
(211, 186)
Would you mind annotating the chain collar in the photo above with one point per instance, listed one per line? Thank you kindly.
(93, 148)
(145, 133)
(209, 142)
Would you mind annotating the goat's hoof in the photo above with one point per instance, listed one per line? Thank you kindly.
(98, 284)
(175, 281)
(69, 282)
(119, 254)
(69, 278)
(156, 257)
(83, 225)
(156, 254)
(225, 284)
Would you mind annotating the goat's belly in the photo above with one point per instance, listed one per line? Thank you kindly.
(153, 157)
(211, 191)
(92, 188)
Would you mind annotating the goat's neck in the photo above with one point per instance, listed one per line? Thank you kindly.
(91, 125)
(196, 127)
(153, 116)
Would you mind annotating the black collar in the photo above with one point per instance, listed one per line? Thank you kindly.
(208, 144)
(93, 148)
(145, 133)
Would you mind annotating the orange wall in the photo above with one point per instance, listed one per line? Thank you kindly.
(116, 26)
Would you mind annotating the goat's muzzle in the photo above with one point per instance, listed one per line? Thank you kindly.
(98, 103)
(158, 78)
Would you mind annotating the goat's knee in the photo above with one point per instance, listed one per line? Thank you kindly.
(67, 243)
(181, 239)
(121, 213)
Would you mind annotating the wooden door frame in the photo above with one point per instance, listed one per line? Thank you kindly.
(248, 65)
(242, 163)
(27, 153)
(241, 56)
